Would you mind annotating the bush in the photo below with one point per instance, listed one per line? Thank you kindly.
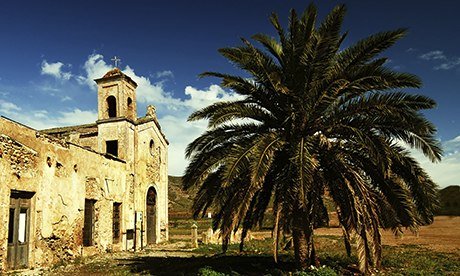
(208, 271)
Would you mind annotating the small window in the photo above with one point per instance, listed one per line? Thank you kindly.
(112, 147)
(116, 222)
(152, 147)
(11, 226)
(112, 106)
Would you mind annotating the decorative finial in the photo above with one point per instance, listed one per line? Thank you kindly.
(116, 60)
(151, 111)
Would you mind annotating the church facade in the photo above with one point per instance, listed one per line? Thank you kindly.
(82, 190)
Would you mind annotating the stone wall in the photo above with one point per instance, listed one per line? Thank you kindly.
(58, 173)
(151, 171)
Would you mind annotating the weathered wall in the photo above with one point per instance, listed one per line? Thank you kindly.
(64, 170)
(58, 172)
(123, 132)
(151, 171)
(87, 141)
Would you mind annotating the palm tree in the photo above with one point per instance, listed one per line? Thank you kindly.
(315, 120)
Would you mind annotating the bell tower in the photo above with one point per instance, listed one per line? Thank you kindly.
(116, 94)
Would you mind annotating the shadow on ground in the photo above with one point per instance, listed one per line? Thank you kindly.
(246, 265)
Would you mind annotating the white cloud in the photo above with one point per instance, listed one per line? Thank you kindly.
(66, 98)
(201, 98)
(447, 63)
(433, 55)
(8, 108)
(42, 119)
(55, 70)
(76, 117)
(41, 114)
(164, 74)
(95, 68)
(447, 172)
(179, 133)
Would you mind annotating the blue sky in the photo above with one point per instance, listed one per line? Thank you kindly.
(50, 51)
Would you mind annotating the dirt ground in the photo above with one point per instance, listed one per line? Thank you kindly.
(442, 236)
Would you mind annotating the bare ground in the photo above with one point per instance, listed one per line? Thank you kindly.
(442, 236)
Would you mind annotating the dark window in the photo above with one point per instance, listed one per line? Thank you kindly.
(116, 222)
(152, 147)
(130, 234)
(112, 106)
(11, 226)
(130, 107)
(112, 147)
(88, 228)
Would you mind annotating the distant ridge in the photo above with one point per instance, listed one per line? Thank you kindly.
(180, 201)
(450, 201)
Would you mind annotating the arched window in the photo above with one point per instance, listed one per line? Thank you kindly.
(130, 107)
(152, 147)
(112, 106)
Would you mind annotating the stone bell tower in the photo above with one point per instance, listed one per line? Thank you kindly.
(116, 114)
(116, 96)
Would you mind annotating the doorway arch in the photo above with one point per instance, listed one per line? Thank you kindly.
(151, 215)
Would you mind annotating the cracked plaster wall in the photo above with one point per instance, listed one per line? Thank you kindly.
(57, 172)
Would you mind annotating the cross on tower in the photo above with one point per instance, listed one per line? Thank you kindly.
(116, 60)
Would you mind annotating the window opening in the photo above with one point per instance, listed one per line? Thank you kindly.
(152, 147)
(116, 222)
(112, 147)
(88, 227)
(112, 106)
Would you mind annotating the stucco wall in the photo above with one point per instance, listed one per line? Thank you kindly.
(65, 169)
(58, 173)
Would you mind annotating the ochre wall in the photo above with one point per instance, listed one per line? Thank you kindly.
(62, 175)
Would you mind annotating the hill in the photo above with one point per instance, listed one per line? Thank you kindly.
(450, 201)
(180, 202)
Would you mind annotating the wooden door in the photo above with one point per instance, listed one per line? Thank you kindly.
(18, 230)
(151, 216)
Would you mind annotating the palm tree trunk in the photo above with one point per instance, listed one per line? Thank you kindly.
(302, 237)
(311, 246)
(300, 248)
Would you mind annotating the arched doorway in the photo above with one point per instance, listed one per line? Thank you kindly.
(112, 106)
(151, 215)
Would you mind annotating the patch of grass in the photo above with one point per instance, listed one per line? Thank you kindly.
(257, 260)
(404, 260)
(416, 260)
(208, 271)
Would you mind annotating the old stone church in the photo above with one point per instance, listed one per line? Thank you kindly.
(87, 189)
